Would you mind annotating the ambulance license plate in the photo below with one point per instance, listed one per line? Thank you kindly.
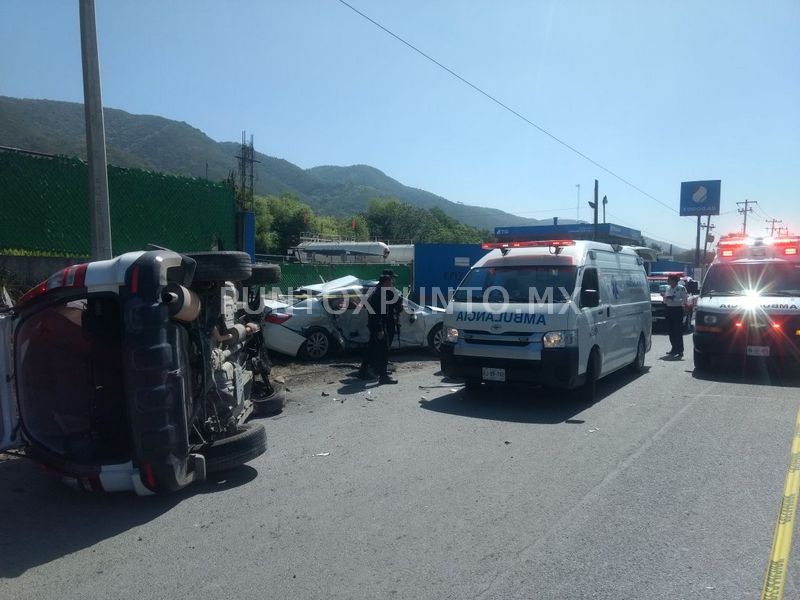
(492, 374)
(758, 351)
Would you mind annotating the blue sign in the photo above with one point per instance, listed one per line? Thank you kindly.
(700, 198)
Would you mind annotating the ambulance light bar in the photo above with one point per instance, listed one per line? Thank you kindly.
(529, 244)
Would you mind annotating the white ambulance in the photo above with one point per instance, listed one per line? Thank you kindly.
(749, 304)
(561, 313)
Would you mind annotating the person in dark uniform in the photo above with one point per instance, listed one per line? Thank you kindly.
(395, 306)
(675, 299)
(379, 321)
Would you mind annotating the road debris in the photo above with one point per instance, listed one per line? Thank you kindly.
(322, 454)
(324, 394)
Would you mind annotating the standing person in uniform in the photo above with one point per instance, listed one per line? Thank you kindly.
(395, 306)
(380, 317)
(675, 299)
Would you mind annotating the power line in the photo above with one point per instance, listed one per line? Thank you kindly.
(506, 107)
(546, 210)
(655, 236)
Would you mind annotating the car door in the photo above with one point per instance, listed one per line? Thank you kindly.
(596, 316)
(8, 405)
(412, 324)
(351, 321)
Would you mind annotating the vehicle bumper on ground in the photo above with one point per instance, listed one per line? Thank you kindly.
(557, 368)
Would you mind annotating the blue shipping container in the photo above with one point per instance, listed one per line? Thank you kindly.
(439, 268)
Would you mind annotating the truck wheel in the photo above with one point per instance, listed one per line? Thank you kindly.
(220, 266)
(249, 442)
(271, 405)
(262, 274)
(702, 362)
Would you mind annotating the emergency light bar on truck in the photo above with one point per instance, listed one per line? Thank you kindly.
(730, 246)
(556, 246)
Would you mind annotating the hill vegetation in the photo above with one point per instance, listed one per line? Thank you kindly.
(160, 144)
(330, 196)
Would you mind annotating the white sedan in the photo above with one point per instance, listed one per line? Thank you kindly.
(319, 325)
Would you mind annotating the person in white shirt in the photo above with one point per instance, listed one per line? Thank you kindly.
(675, 298)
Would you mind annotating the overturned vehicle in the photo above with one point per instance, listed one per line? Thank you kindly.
(138, 373)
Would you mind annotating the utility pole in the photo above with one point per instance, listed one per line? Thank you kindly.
(772, 223)
(709, 237)
(578, 210)
(744, 211)
(697, 244)
(246, 176)
(593, 205)
(605, 201)
(99, 213)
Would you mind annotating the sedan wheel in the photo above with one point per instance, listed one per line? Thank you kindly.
(317, 345)
(436, 338)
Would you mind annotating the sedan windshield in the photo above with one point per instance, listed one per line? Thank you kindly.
(767, 279)
(517, 284)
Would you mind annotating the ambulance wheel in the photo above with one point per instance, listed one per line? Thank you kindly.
(588, 391)
(637, 366)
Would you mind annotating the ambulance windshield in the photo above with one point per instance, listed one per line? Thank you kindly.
(767, 279)
(517, 284)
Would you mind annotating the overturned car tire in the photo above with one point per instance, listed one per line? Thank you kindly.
(271, 405)
(263, 274)
(233, 451)
(221, 266)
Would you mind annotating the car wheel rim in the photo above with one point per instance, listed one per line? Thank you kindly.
(317, 345)
(437, 339)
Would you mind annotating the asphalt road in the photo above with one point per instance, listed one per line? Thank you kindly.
(667, 487)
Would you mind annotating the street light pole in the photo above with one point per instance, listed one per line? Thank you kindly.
(99, 213)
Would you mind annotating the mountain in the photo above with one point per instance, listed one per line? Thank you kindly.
(156, 143)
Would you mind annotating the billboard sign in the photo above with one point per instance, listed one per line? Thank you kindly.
(700, 198)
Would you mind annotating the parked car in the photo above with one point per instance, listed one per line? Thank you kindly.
(658, 283)
(328, 319)
(137, 373)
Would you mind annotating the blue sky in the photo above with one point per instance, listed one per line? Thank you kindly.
(657, 92)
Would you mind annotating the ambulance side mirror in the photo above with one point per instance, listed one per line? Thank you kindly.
(590, 298)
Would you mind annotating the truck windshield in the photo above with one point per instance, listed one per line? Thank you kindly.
(767, 279)
(517, 284)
